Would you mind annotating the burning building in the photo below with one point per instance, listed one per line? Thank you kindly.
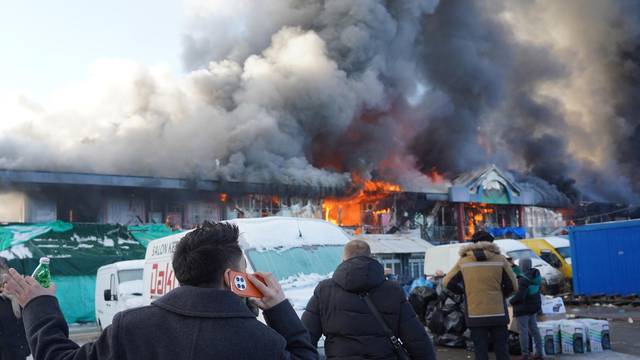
(372, 111)
(449, 211)
(487, 199)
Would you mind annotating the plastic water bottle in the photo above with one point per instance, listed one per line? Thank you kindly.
(42, 274)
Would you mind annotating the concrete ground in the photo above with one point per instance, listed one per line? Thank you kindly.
(624, 323)
(625, 341)
(625, 334)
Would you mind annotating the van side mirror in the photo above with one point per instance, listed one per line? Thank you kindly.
(107, 295)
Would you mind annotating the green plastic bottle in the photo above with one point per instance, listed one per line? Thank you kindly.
(42, 273)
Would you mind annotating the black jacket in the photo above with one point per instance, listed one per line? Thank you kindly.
(337, 311)
(187, 323)
(12, 337)
(527, 299)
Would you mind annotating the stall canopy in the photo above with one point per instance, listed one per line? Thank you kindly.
(76, 252)
(395, 243)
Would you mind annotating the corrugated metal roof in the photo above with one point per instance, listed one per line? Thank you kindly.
(394, 243)
(71, 178)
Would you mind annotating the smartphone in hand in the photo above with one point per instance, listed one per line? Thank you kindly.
(241, 285)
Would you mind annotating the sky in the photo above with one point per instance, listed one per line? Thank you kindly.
(48, 43)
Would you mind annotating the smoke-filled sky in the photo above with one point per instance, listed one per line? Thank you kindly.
(309, 92)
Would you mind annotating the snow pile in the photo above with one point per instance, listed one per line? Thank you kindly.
(299, 288)
(303, 280)
(283, 233)
(104, 241)
(18, 251)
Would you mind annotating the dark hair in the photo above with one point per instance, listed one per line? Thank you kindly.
(202, 256)
(482, 236)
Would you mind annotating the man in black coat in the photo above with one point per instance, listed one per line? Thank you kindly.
(338, 311)
(201, 319)
(13, 342)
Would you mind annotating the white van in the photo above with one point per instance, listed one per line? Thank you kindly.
(441, 258)
(119, 287)
(552, 277)
(300, 252)
(444, 257)
(562, 246)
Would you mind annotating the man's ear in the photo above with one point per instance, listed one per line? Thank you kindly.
(225, 279)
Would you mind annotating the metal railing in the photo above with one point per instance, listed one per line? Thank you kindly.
(440, 234)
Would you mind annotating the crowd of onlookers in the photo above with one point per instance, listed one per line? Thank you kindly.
(361, 311)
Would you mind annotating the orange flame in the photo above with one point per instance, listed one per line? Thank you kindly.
(476, 217)
(349, 211)
(435, 176)
(223, 197)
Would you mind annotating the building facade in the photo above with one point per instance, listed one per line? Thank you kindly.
(488, 199)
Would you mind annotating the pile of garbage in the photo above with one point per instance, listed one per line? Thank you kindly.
(443, 313)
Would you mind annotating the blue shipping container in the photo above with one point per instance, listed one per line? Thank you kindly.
(606, 258)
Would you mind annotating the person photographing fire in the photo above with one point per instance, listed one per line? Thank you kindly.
(201, 319)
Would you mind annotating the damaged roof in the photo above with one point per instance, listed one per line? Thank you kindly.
(519, 189)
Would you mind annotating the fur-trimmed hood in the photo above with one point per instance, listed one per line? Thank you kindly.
(467, 250)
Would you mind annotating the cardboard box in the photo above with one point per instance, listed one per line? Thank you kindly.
(550, 333)
(573, 337)
(553, 305)
(598, 334)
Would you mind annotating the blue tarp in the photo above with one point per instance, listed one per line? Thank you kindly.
(509, 232)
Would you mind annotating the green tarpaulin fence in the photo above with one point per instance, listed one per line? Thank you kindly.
(145, 233)
(76, 252)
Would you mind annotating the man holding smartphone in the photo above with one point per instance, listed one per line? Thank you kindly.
(201, 319)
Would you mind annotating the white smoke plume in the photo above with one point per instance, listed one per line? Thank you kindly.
(309, 92)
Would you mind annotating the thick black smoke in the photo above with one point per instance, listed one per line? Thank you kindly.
(312, 91)
(498, 115)
(481, 81)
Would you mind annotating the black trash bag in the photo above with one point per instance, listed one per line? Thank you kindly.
(430, 295)
(431, 307)
(419, 299)
(439, 316)
(450, 306)
(455, 323)
(451, 340)
(446, 294)
(436, 321)
(514, 343)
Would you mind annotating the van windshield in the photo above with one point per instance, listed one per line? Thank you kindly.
(523, 254)
(564, 251)
(294, 262)
(129, 275)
